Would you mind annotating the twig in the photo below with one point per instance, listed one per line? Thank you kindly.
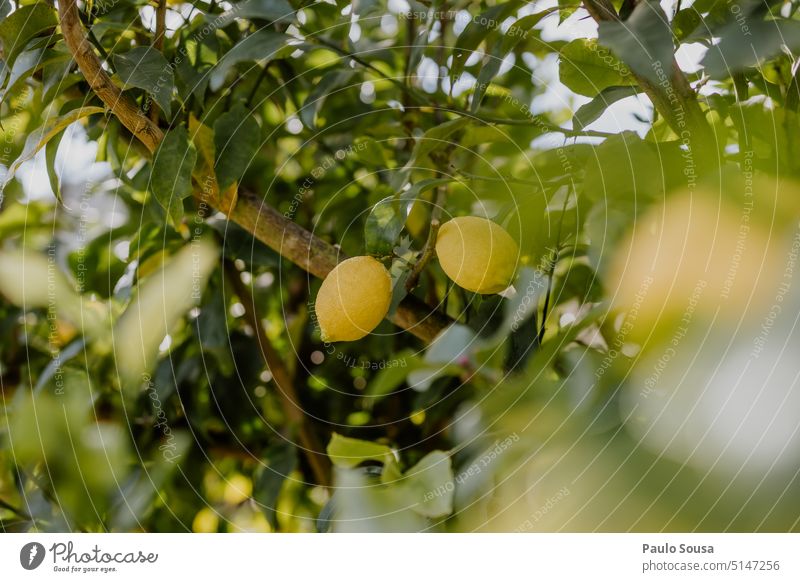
(424, 99)
(161, 25)
(158, 44)
(290, 402)
(16, 511)
(552, 272)
(408, 89)
(103, 53)
(540, 185)
(436, 214)
(537, 121)
(411, 37)
(427, 254)
(261, 76)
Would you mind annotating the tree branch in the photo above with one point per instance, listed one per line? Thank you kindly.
(161, 25)
(251, 213)
(158, 44)
(80, 47)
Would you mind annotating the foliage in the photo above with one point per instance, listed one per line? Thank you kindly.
(161, 364)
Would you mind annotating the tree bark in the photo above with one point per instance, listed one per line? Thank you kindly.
(126, 110)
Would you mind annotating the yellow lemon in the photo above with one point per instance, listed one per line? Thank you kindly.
(696, 254)
(353, 299)
(477, 254)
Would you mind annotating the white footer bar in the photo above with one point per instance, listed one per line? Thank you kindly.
(402, 557)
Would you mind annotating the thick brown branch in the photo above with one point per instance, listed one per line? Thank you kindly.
(91, 68)
(158, 44)
(161, 25)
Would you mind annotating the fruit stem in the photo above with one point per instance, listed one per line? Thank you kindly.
(427, 254)
(546, 306)
(554, 261)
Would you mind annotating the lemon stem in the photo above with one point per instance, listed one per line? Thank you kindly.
(427, 253)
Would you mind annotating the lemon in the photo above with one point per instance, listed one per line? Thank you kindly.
(694, 255)
(477, 254)
(353, 299)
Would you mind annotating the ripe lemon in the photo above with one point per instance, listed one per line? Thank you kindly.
(477, 254)
(696, 255)
(353, 299)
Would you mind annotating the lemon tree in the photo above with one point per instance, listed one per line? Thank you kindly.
(573, 267)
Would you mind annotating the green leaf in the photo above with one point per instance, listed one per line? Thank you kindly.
(30, 280)
(420, 43)
(237, 139)
(279, 11)
(161, 300)
(316, 98)
(454, 343)
(615, 171)
(429, 485)
(27, 63)
(686, 21)
(567, 8)
(22, 25)
(741, 47)
(281, 461)
(348, 453)
(516, 33)
(146, 68)
(388, 379)
(718, 14)
(171, 178)
(771, 133)
(432, 140)
(478, 29)
(56, 78)
(39, 137)
(50, 159)
(587, 68)
(579, 281)
(371, 153)
(175, 212)
(643, 40)
(260, 46)
(388, 217)
(588, 113)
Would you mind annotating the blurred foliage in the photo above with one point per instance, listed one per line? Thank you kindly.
(638, 377)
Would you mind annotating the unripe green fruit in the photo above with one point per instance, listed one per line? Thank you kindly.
(477, 254)
(353, 299)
